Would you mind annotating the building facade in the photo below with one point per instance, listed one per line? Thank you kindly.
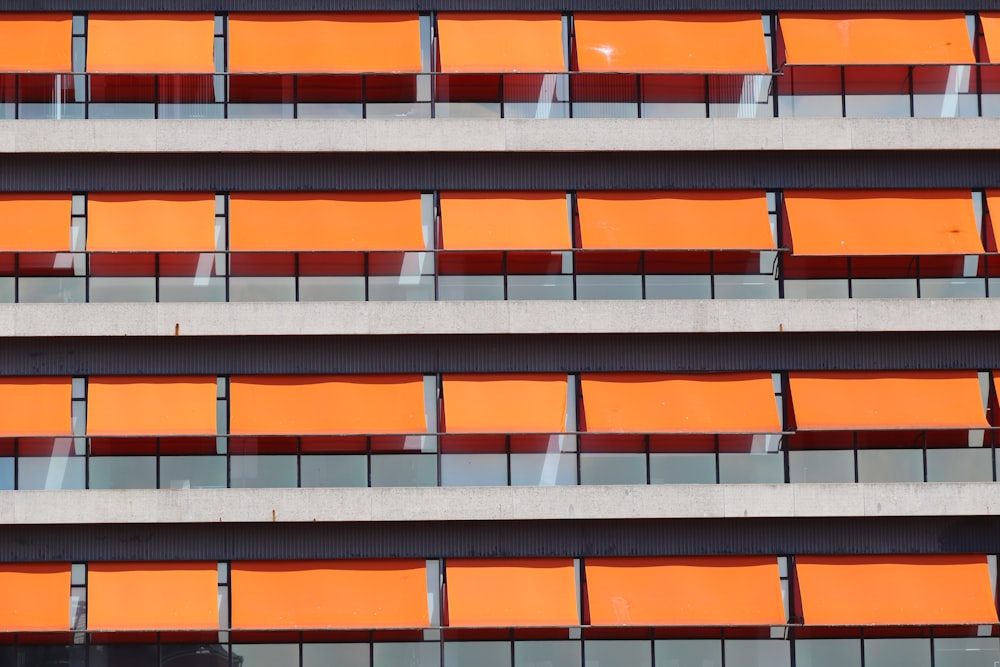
(500, 334)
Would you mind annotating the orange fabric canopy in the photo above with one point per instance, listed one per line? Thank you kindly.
(506, 403)
(876, 38)
(702, 591)
(993, 204)
(34, 597)
(677, 220)
(707, 43)
(36, 43)
(344, 594)
(856, 400)
(40, 406)
(147, 43)
(991, 30)
(504, 221)
(169, 405)
(296, 221)
(35, 222)
(676, 403)
(324, 43)
(882, 222)
(152, 596)
(895, 590)
(507, 42)
(151, 222)
(509, 592)
(326, 405)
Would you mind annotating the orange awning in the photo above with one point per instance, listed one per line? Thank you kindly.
(326, 405)
(505, 403)
(882, 222)
(34, 597)
(510, 593)
(676, 403)
(174, 43)
(702, 591)
(152, 596)
(35, 406)
(991, 30)
(876, 38)
(324, 43)
(507, 42)
(895, 590)
(151, 222)
(294, 221)
(35, 222)
(993, 205)
(719, 42)
(334, 594)
(169, 405)
(36, 43)
(856, 400)
(504, 221)
(677, 220)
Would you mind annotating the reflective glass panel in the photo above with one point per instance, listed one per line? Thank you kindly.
(757, 653)
(542, 469)
(325, 655)
(960, 465)
(547, 654)
(254, 471)
(481, 654)
(55, 472)
(335, 470)
(265, 655)
(688, 653)
(612, 468)
(614, 653)
(682, 468)
(411, 654)
(821, 465)
(404, 470)
(912, 652)
(751, 468)
(473, 470)
(890, 465)
(828, 653)
(123, 472)
(966, 652)
(193, 472)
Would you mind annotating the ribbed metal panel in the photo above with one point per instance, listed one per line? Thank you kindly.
(500, 171)
(500, 539)
(498, 353)
(485, 5)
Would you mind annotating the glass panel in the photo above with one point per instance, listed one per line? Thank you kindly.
(411, 654)
(481, 654)
(966, 652)
(745, 287)
(878, 288)
(327, 655)
(912, 652)
(6, 474)
(192, 289)
(183, 655)
(56, 472)
(540, 287)
(335, 470)
(816, 289)
(828, 653)
(122, 472)
(193, 472)
(878, 106)
(678, 287)
(890, 465)
(128, 289)
(688, 653)
(609, 287)
(751, 468)
(6, 290)
(265, 655)
(612, 468)
(404, 470)
(682, 468)
(952, 288)
(821, 466)
(474, 470)
(124, 655)
(52, 290)
(547, 654)
(262, 289)
(554, 468)
(50, 654)
(959, 465)
(397, 288)
(102, 111)
(256, 471)
(470, 288)
(331, 288)
(617, 653)
(757, 653)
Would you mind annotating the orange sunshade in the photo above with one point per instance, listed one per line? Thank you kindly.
(504, 221)
(152, 596)
(703, 591)
(36, 43)
(876, 38)
(993, 205)
(991, 30)
(508, 42)
(326, 405)
(528, 592)
(324, 43)
(171, 405)
(895, 590)
(150, 43)
(855, 400)
(344, 594)
(38, 406)
(676, 403)
(290, 222)
(34, 597)
(722, 42)
(35, 222)
(151, 222)
(681, 220)
(882, 222)
(508, 403)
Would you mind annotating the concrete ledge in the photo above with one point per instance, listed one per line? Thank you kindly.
(491, 317)
(497, 503)
(493, 135)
